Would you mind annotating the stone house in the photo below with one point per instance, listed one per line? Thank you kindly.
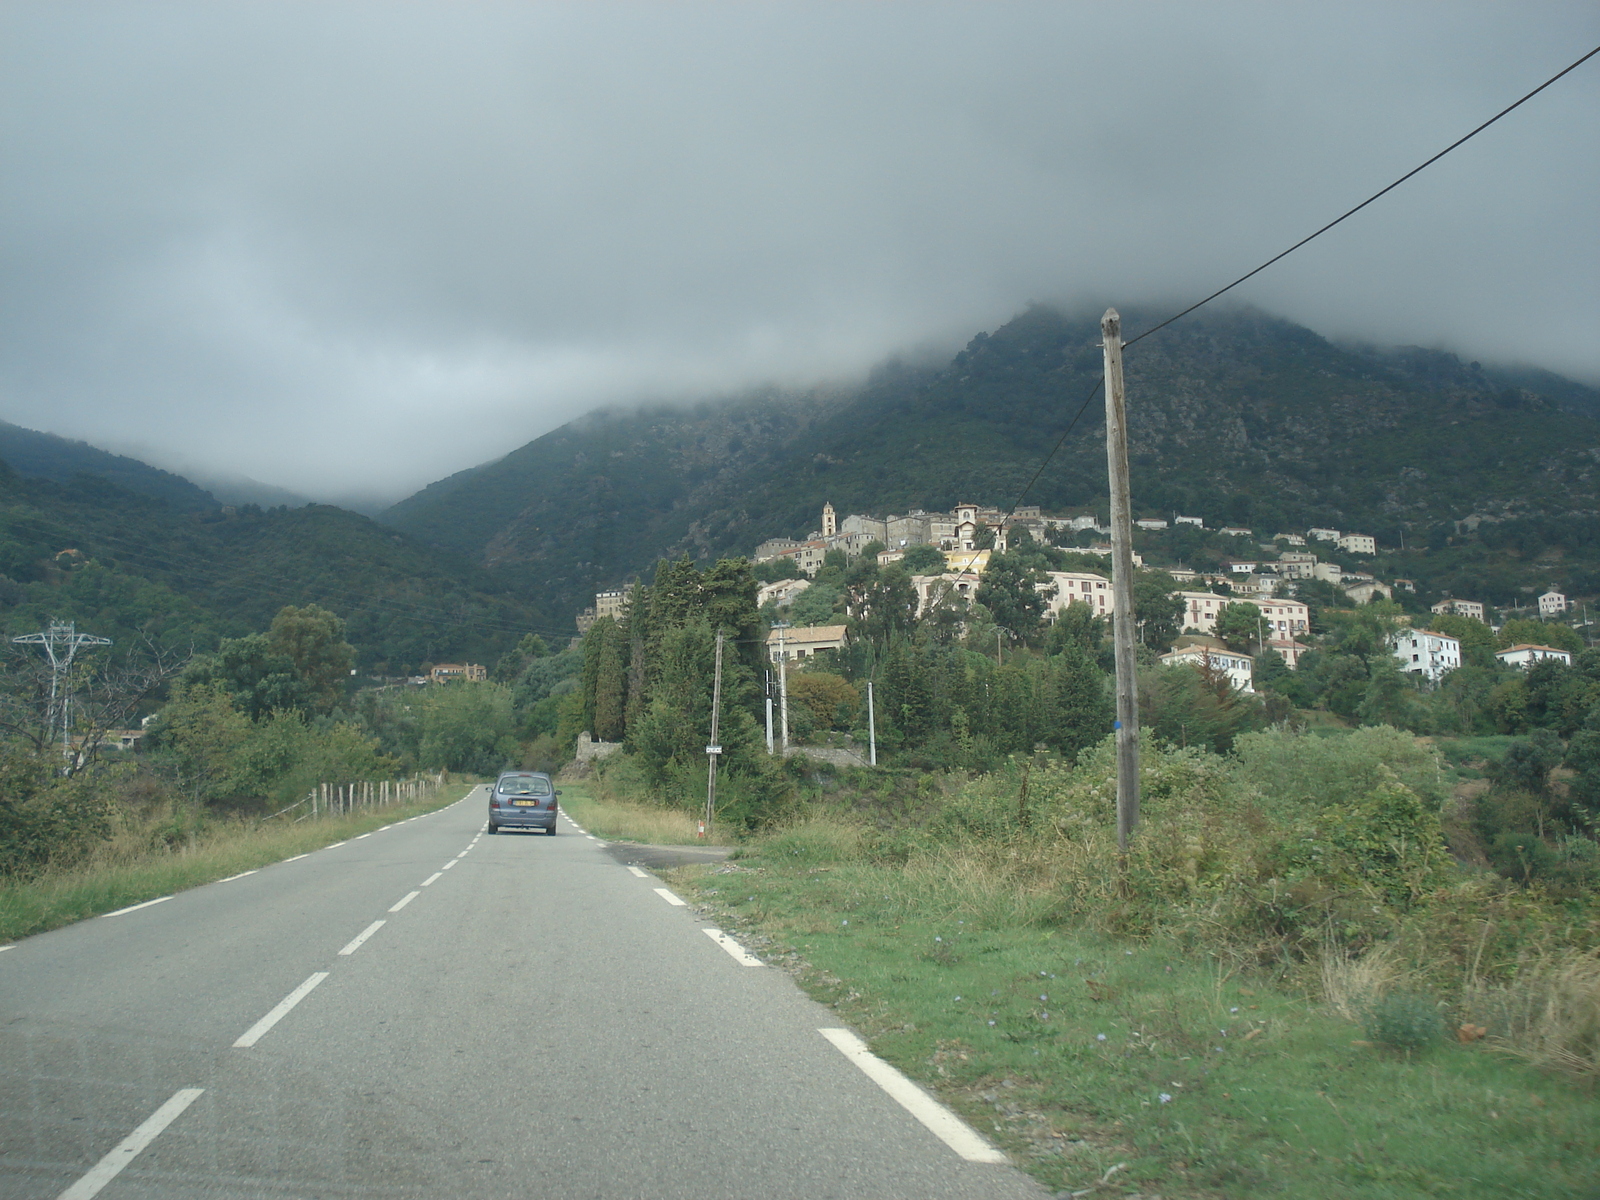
(802, 642)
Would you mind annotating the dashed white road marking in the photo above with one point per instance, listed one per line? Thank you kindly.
(450, 864)
(137, 907)
(670, 898)
(740, 955)
(128, 1149)
(336, 845)
(359, 836)
(431, 878)
(355, 942)
(13, 946)
(941, 1122)
(639, 873)
(240, 875)
(404, 900)
(255, 1032)
(297, 858)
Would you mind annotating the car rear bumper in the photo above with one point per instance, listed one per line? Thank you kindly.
(522, 820)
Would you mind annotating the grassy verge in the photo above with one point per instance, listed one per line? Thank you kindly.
(129, 871)
(620, 821)
(1078, 1053)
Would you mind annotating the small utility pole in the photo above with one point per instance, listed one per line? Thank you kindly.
(1121, 582)
(715, 748)
(997, 632)
(783, 686)
(872, 728)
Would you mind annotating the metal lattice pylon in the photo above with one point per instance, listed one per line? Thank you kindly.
(61, 643)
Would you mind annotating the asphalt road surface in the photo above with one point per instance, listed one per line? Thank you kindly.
(426, 1011)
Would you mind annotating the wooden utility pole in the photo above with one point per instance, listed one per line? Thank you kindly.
(1121, 582)
(715, 748)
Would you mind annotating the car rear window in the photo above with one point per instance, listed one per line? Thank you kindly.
(525, 785)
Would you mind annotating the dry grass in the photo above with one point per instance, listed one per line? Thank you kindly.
(1350, 983)
(1549, 1014)
(139, 862)
(618, 820)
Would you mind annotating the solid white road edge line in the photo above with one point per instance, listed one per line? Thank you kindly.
(740, 955)
(137, 907)
(639, 873)
(670, 898)
(355, 942)
(104, 1171)
(405, 900)
(240, 875)
(431, 878)
(941, 1122)
(255, 1032)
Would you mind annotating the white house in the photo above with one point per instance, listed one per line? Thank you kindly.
(1525, 655)
(1236, 531)
(1240, 566)
(1323, 535)
(1462, 608)
(1237, 667)
(1426, 653)
(1358, 543)
(1363, 591)
(803, 642)
(1079, 524)
(1084, 587)
(956, 585)
(1291, 539)
(1195, 521)
(1552, 604)
(1151, 523)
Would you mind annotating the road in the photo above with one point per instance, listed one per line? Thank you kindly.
(532, 1018)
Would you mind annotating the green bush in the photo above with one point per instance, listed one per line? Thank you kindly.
(1403, 1021)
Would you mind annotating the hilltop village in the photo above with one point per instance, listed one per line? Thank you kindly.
(946, 555)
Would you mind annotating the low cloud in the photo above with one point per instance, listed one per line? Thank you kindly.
(348, 249)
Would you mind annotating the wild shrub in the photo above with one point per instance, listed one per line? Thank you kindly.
(1403, 1021)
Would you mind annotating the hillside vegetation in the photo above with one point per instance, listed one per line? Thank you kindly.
(1235, 416)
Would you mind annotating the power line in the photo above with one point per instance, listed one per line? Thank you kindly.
(1284, 254)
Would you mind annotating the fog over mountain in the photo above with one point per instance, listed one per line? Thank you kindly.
(347, 249)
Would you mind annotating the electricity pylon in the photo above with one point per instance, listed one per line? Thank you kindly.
(61, 643)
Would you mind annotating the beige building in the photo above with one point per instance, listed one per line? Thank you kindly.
(610, 604)
(1081, 587)
(1461, 608)
(452, 672)
(1358, 543)
(802, 642)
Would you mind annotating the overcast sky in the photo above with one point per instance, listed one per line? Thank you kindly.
(351, 248)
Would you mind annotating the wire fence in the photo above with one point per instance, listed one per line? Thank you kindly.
(341, 799)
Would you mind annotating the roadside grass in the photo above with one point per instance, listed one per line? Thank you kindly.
(620, 821)
(129, 870)
(1078, 1053)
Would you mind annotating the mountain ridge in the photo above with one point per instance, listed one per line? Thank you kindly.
(1235, 415)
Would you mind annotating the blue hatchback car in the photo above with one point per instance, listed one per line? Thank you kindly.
(523, 800)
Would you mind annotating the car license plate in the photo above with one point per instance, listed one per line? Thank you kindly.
(525, 804)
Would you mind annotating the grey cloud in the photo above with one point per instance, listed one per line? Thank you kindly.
(350, 248)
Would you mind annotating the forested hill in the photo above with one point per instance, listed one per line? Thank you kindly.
(46, 456)
(1235, 416)
(123, 564)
